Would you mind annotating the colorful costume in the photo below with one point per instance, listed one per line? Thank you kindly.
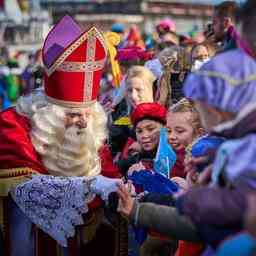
(229, 87)
(73, 61)
(212, 213)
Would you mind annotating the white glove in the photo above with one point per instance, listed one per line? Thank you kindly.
(103, 186)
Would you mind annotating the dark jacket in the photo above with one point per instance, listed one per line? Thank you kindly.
(221, 207)
(164, 220)
(125, 164)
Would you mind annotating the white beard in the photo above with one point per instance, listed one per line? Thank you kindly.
(71, 151)
(71, 156)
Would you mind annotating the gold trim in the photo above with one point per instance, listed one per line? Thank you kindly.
(70, 104)
(14, 172)
(93, 32)
(71, 66)
(89, 75)
(10, 178)
(232, 81)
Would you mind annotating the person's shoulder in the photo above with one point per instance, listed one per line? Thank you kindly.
(8, 113)
(10, 118)
(230, 60)
(12, 112)
(234, 66)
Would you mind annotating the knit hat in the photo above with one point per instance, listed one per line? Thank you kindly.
(151, 111)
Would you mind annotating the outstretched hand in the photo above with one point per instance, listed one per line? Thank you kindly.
(194, 177)
(135, 147)
(191, 164)
(136, 168)
(126, 202)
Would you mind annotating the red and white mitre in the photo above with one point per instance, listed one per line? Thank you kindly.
(73, 61)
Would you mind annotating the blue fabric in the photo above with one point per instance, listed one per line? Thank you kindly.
(6, 104)
(206, 146)
(3, 95)
(242, 244)
(118, 28)
(153, 183)
(235, 159)
(224, 83)
(165, 157)
(133, 244)
(140, 234)
(149, 42)
(21, 235)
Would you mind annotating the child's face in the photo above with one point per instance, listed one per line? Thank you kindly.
(199, 53)
(147, 134)
(137, 91)
(180, 130)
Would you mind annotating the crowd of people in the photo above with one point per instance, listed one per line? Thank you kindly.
(20, 73)
(126, 144)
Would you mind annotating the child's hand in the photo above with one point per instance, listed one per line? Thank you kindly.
(135, 147)
(136, 168)
(192, 178)
(205, 177)
(126, 202)
(183, 186)
(131, 188)
(192, 163)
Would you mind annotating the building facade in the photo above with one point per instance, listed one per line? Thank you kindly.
(103, 13)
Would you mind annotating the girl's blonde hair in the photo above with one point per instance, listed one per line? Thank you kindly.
(185, 105)
(141, 72)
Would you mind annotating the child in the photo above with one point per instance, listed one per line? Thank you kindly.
(184, 127)
(224, 92)
(147, 119)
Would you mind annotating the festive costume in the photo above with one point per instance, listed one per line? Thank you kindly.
(151, 111)
(242, 244)
(205, 213)
(161, 161)
(217, 85)
(73, 65)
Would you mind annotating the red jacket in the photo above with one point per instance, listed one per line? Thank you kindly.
(17, 150)
(178, 169)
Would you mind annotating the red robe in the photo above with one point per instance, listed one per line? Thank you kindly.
(17, 150)
(18, 156)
